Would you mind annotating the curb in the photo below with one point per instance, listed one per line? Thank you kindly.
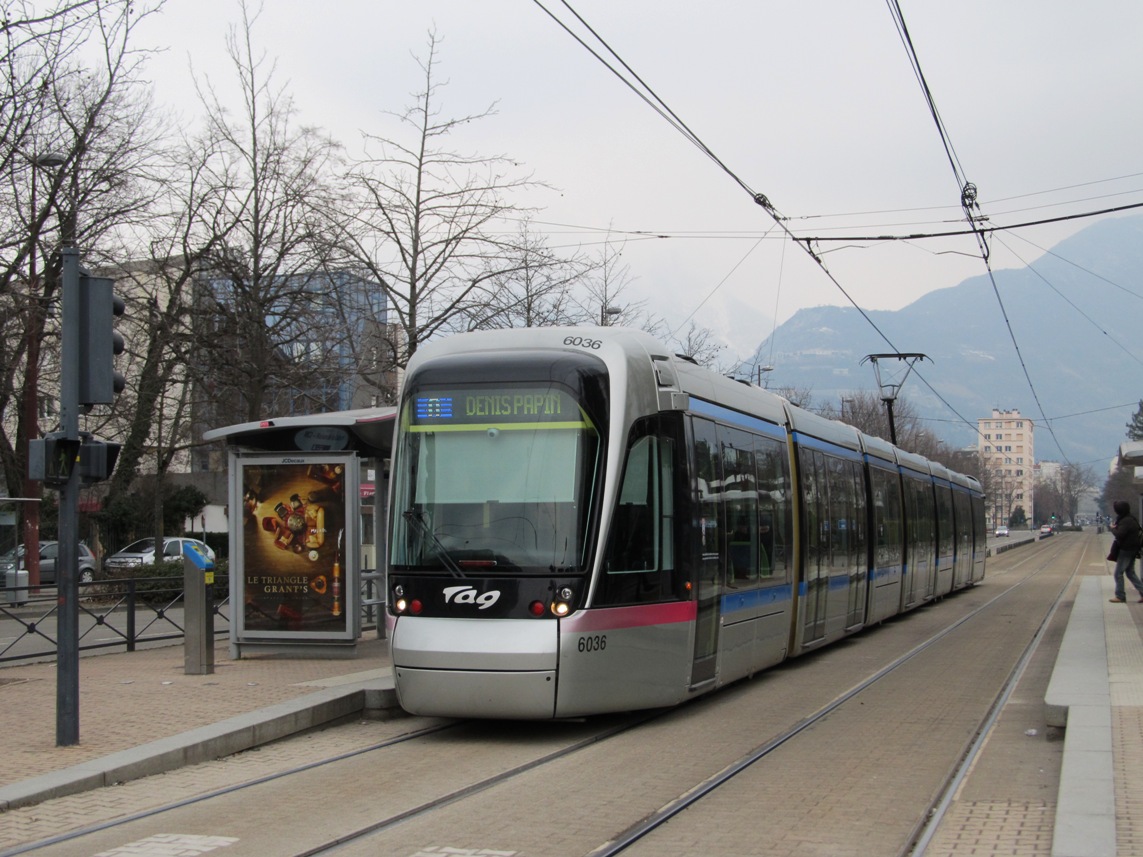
(205, 743)
(1079, 698)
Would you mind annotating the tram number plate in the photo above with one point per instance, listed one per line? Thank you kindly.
(583, 342)
(595, 643)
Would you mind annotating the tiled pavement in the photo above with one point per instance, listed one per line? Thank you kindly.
(131, 699)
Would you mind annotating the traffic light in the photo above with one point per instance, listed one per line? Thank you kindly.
(52, 458)
(99, 342)
(97, 459)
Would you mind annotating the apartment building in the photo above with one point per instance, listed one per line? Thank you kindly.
(1006, 443)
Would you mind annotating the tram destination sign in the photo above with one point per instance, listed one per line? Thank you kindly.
(509, 406)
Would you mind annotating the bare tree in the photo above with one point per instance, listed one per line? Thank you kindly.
(539, 291)
(80, 128)
(265, 304)
(427, 226)
(1075, 481)
(1120, 485)
(1050, 501)
(801, 397)
(700, 345)
(603, 293)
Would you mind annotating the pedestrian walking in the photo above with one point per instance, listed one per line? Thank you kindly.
(1128, 537)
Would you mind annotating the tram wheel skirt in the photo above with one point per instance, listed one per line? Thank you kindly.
(474, 693)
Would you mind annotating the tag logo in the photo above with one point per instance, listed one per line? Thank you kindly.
(468, 595)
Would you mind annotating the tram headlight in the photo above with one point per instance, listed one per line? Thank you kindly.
(562, 605)
(400, 605)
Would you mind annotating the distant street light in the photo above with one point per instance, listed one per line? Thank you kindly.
(847, 401)
(605, 311)
(764, 376)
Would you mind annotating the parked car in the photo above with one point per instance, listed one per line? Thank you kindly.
(49, 553)
(142, 552)
(1001, 530)
(1045, 531)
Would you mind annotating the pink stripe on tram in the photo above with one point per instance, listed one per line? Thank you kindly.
(610, 618)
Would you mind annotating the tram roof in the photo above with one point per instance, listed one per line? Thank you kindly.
(368, 431)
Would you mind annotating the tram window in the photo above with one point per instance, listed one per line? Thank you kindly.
(944, 520)
(841, 512)
(887, 535)
(808, 523)
(858, 535)
(640, 558)
(740, 496)
(635, 518)
(772, 468)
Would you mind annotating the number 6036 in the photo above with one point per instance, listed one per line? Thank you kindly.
(596, 643)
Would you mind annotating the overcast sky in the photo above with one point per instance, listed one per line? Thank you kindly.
(813, 103)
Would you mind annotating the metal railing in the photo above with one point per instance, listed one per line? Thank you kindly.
(127, 612)
(112, 613)
(373, 601)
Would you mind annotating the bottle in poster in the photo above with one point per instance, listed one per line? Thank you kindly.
(336, 585)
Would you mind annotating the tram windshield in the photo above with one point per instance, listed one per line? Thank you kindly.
(493, 480)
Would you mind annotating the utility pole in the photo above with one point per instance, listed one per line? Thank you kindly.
(67, 578)
(890, 390)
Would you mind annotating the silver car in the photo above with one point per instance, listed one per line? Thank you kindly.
(142, 552)
(49, 553)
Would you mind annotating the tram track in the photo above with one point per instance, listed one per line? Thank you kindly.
(927, 829)
(479, 781)
(917, 844)
(609, 728)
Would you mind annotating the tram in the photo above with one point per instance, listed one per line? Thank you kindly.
(582, 522)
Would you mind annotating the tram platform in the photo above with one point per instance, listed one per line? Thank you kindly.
(140, 714)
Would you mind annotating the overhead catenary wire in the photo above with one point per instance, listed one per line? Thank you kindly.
(1087, 271)
(646, 93)
(969, 202)
(752, 234)
(652, 99)
(968, 192)
(656, 103)
(1029, 266)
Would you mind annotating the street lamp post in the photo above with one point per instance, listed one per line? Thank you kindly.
(605, 311)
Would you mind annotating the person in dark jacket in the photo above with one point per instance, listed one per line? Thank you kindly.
(1128, 537)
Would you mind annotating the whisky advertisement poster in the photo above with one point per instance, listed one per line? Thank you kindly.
(298, 544)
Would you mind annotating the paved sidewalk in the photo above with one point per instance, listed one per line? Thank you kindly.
(139, 713)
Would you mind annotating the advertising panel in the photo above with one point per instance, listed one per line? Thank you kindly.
(296, 547)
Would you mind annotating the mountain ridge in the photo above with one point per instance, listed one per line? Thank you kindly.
(1066, 341)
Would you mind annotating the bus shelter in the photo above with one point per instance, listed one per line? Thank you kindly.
(295, 502)
(1131, 455)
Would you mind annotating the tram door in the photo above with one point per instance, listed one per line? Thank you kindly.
(708, 472)
(919, 560)
(815, 540)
